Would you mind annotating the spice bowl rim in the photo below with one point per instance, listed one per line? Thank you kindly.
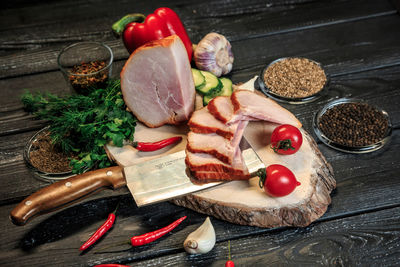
(66, 72)
(292, 100)
(351, 149)
(42, 175)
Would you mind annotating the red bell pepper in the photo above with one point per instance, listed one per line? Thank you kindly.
(137, 31)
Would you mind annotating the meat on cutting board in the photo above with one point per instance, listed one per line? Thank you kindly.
(202, 121)
(250, 106)
(216, 145)
(208, 163)
(247, 103)
(157, 83)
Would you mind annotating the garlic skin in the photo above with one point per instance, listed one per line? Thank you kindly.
(202, 240)
(214, 54)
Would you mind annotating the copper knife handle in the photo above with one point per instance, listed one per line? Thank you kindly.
(66, 192)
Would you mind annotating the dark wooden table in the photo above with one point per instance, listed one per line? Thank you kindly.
(357, 41)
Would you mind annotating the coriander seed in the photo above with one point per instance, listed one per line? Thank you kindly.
(295, 78)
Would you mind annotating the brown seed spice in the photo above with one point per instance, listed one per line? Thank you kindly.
(46, 157)
(295, 78)
(83, 84)
(354, 124)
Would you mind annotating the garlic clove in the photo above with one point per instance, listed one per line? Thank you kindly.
(214, 53)
(202, 240)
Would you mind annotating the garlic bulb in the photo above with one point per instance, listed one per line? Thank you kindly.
(214, 54)
(202, 240)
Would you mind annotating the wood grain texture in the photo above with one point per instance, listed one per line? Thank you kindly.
(356, 40)
(247, 26)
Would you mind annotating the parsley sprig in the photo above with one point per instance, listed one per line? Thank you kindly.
(84, 124)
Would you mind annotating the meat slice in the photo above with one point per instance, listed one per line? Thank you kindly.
(247, 103)
(221, 108)
(208, 163)
(202, 121)
(250, 106)
(157, 83)
(212, 176)
(213, 144)
(216, 145)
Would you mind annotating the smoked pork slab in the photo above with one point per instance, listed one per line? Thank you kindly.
(157, 83)
(216, 145)
(247, 103)
(209, 163)
(202, 121)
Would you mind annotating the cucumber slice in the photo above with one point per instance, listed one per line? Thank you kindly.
(199, 80)
(213, 85)
(207, 99)
(226, 87)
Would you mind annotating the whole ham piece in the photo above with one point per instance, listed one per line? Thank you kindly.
(157, 83)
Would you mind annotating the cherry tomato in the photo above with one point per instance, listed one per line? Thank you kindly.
(286, 139)
(279, 181)
(229, 264)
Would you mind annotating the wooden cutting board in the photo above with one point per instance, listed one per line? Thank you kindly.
(244, 202)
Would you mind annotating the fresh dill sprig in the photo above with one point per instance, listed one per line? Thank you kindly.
(84, 124)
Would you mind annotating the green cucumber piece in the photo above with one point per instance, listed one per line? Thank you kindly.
(226, 90)
(199, 80)
(207, 99)
(226, 87)
(213, 85)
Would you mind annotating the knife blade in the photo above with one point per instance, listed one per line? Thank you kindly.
(149, 182)
(168, 177)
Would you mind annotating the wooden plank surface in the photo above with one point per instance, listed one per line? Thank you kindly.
(358, 43)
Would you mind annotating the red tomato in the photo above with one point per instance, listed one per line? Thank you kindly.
(286, 139)
(280, 181)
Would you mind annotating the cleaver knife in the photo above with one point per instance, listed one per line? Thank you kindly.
(149, 182)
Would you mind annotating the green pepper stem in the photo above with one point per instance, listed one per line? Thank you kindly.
(119, 26)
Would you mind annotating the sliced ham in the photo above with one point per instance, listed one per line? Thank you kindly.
(247, 103)
(213, 144)
(250, 106)
(208, 163)
(221, 108)
(212, 176)
(216, 145)
(157, 83)
(202, 121)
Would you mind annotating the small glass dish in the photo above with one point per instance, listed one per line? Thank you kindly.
(86, 65)
(41, 175)
(300, 100)
(345, 148)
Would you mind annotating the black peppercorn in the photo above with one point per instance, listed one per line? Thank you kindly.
(353, 124)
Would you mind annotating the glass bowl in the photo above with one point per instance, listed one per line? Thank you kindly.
(345, 148)
(41, 175)
(300, 100)
(94, 55)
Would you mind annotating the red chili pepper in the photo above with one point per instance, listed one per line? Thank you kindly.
(152, 146)
(163, 22)
(101, 231)
(150, 237)
(229, 263)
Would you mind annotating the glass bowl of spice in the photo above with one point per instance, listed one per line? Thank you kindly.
(352, 125)
(293, 80)
(46, 161)
(86, 65)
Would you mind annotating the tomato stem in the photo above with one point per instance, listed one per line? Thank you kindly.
(285, 144)
(262, 174)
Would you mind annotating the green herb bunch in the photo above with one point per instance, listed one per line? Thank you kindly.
(84, 124)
